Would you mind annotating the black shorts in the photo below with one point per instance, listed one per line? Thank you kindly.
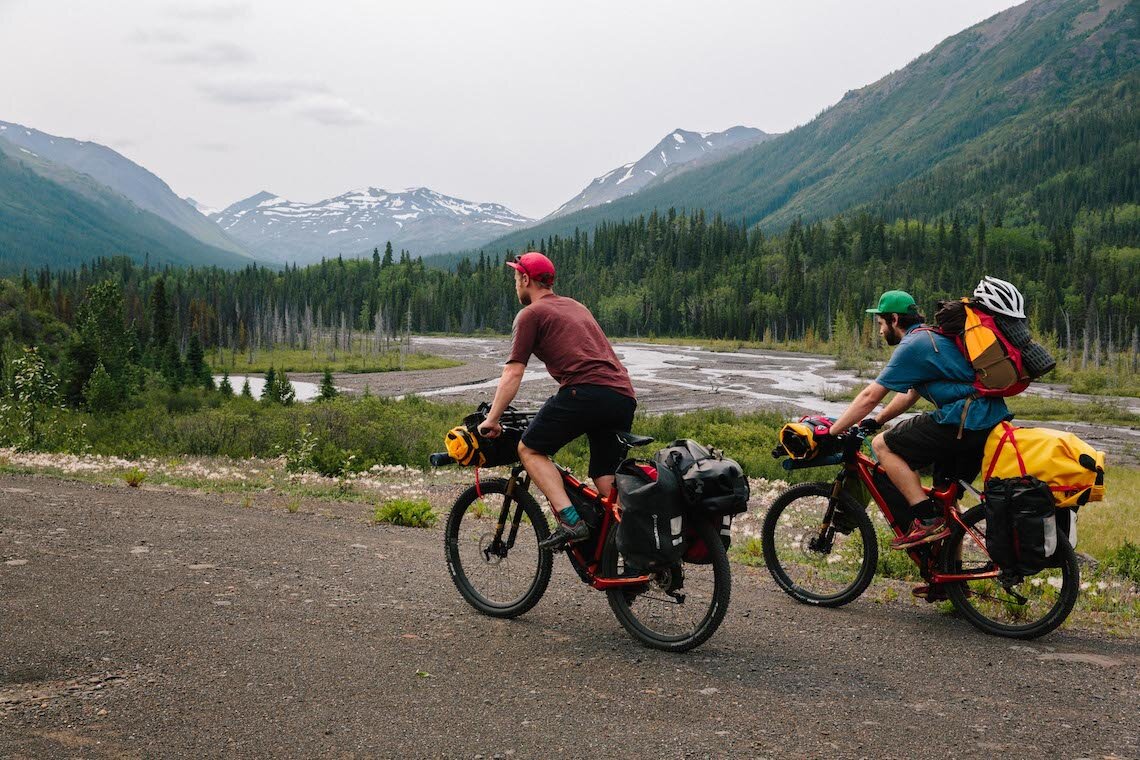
(591, 410)
(922, 442)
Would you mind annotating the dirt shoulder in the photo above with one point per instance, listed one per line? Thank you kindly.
(152, 623)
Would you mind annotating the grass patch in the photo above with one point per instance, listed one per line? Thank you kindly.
(297, 360)
(1106, 526)
(134, 477)
(749, 552)
(411, 513)
(1044, 409)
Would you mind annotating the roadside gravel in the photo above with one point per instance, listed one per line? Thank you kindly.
(145, 623)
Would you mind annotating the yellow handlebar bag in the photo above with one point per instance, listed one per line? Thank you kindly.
(1073, 469)
(463, 446)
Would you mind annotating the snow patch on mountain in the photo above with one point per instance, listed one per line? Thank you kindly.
(678, 151)
(354, 223)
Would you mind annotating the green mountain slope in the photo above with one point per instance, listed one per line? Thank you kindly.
(973, 95)
(53, 216)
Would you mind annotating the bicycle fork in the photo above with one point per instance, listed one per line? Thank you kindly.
(499, 548)
(822, 543)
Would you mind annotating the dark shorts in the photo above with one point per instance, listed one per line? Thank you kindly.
(922, 442)
(591, 410)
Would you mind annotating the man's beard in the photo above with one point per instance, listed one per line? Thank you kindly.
(893, 338)
(524, 299)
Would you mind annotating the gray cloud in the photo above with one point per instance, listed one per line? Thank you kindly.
(238, 92)
(157, 37)
(214, 147)
(333, 111)
(304, 98)
(192, 11)
(212, 54)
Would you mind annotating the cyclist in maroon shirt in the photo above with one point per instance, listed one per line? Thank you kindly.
(595, 397)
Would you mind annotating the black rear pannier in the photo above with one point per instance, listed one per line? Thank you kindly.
(650, 532)
(1021, 525)
(710, 483)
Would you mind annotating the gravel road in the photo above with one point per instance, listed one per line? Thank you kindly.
(149, 623)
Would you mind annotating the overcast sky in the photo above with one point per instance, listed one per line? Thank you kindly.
(520, 103)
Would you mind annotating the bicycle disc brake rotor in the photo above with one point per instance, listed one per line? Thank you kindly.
(492, 554)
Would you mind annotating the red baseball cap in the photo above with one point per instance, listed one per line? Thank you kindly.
(535, 266)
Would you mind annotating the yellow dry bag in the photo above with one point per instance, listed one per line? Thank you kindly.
(1073, 469)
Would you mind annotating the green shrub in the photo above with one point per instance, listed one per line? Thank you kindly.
(412, 513)
(894, 563)
(134, 477)
(1125, 561)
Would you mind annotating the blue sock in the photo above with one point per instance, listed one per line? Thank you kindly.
(569, 515)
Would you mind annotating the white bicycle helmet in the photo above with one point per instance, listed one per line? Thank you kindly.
(1000, 296)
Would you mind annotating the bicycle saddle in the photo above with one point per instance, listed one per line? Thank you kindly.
(633, 441)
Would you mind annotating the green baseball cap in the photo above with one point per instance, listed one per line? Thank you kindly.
(895, 302)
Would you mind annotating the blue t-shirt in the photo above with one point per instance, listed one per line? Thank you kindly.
(931, 364)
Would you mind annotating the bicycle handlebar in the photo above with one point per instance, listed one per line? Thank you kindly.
(440, 459)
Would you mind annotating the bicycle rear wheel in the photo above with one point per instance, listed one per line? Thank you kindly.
(498, 579)
(815, 568)
(682, 606)
(1048, 596)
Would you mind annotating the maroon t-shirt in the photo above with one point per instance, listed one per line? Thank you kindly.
(566, 337)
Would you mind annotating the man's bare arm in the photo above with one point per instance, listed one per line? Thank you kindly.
(509, 383)
(899, 404)
(863, 404)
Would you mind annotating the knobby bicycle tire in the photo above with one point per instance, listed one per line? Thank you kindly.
(782, 552)
(978, 601)
(633, 609)
(464, 541)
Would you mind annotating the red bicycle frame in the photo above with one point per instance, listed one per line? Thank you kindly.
(588, 563)
(862, 467)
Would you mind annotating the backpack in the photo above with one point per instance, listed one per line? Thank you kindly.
(650, 534)
(711, 484)
(999, 369)
(1072, 469)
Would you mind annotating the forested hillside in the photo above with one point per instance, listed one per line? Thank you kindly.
(987, 116)
(665, 274)
(62, 224)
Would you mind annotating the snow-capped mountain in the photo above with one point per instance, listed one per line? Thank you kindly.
(680, 150)
(201, 208)
(113, 170)
(420, 220)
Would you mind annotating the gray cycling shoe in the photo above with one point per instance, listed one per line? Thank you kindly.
(566, 535)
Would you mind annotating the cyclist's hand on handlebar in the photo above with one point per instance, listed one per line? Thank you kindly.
(870, 425)
(490, 429)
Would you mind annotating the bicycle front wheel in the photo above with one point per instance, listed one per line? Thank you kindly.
(1030, 609)
(812, 566)
(495, 575)
(682, 606)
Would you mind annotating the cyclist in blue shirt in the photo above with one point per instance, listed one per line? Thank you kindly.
(930, 366)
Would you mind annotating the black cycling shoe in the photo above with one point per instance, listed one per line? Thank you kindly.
(565, 535)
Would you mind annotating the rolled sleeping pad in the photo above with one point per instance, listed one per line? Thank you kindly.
(1037, 360)
(1016, 330)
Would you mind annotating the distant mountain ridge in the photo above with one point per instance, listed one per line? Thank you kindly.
(353, 223)
(971, 98)
(53, 216)
(113, 170)
(678, 151)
